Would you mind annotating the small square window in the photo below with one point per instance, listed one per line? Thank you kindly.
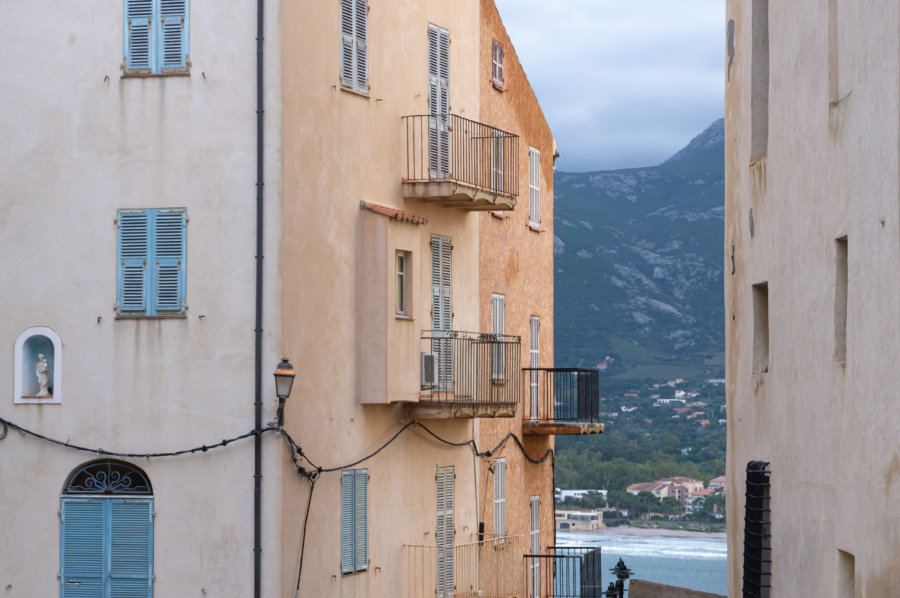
(402, 294)
(156, 35)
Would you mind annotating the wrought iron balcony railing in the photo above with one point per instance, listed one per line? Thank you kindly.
(564, 572)
(561, 395)
(488, 568)
(470, 367)
(450, 148)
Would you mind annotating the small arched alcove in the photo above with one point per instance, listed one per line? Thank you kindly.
(38, 366)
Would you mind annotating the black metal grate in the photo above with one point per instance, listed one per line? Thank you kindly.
(566, 572)
(757, 532)
(108, 477)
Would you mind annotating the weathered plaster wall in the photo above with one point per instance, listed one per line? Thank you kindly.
(831, 170)
(81, 142)
(517, 262)
(340, 148)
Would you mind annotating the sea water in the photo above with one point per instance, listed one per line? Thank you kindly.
(698, 563)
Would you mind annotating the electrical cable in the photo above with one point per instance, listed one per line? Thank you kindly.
(312, 486)
(100, 451)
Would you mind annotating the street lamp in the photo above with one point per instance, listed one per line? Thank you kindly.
(622, 573)
(284, 380)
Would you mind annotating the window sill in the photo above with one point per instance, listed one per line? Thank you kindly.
(406, 317)
(155, 75)
(141, 317)
(535, 227)
(350, 90)
(497, 214)
(497, 85)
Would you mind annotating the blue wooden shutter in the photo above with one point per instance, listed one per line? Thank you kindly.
(133, 253)
(347, 30)
(347, 504)
(169, 253)
(172, 43)
(361, 519)
(138, 36)
(361, 22)
(81, 548)
(130, 548)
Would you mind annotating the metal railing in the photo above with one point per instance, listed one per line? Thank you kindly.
(447, 147)
(488, 569)
(470, 367)
(561, 395)
(564, 572)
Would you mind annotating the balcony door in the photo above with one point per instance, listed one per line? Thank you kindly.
(534, 362)
(442, 310)
(438, 102)
(445, 574)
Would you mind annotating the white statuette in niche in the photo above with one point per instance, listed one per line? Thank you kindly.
(38, 367)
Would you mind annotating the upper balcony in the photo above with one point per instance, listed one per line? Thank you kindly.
(468, 374)
(459, 162)
(561, 401)
(490, 568)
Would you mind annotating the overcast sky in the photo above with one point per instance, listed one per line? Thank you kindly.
(623, 83)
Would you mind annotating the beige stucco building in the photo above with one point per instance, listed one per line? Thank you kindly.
(360, 214)
(812, 248)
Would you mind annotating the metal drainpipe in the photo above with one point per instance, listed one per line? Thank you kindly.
(257, 444)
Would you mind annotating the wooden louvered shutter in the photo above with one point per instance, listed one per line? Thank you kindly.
(361, 38)
(347, 38)
(498, 357)
(535, 547)
(500, 497)
(534, 186)
(361, 519)
(347, 531)
(172, 44)
(138, 34)
(534, 362)
(130, 548)
(444, 533)
(169, 267)
(497, 63)
(439, 101)
(82, 554)
(133, 255)
(442, 308)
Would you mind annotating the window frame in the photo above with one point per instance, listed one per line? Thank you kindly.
(354, 25)
(153, 272)
(354, 521)
(534, 188)
(155, 64)
(402, 284)
(497, 56)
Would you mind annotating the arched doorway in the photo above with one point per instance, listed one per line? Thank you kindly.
(106, 532)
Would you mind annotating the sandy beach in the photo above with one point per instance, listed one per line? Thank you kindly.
(627, 530)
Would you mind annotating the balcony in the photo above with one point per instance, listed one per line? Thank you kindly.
(468, 374)
(488, 569)
(561, 401)
(459, 162)
(564, 572)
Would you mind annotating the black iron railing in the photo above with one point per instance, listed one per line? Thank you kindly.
(564, 572)
(757, 532)
(450, 148)
(561, 395)
(469, 367)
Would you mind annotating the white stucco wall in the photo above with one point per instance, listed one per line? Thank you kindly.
(79, 143)
(828, 429)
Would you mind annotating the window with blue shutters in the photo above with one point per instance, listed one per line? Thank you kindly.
(156, 36)
(150, 265)
(106, 533)
(354, 520)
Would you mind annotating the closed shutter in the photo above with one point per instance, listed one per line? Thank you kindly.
(354, 520)
(497, 161)
(169, 245)
(497, 63)
(82, 553)
(444, 586)
(498, 314)
(130, 548)
(439, 100)
(534, 186)
(133, 255)
(500, 497)
(354, 45)
(172, 44)
(138, 35)
(534, 363)
(442, 308)
(535, 537)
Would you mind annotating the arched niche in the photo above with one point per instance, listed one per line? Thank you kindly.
(38, 367)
